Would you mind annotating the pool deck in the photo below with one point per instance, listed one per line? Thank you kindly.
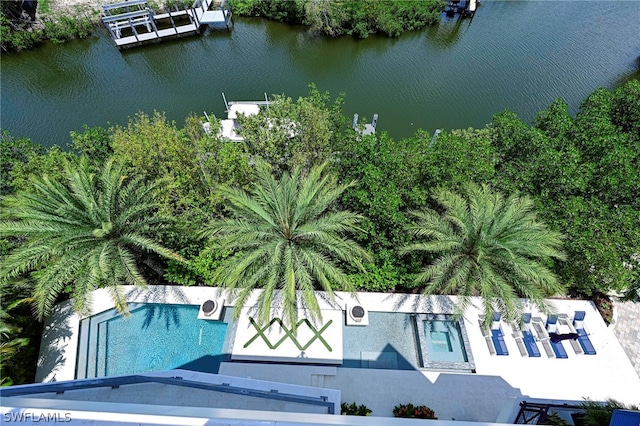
(479, 396)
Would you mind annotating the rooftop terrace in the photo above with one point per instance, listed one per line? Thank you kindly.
(384, 371)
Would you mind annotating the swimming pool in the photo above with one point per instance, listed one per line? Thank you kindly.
(443, 342)
(388, 342)
(407, 341)
(155, 337)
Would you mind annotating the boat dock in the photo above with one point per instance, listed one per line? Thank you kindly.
(368, 129)
(463, 7)
(133, 22)
(229, 127)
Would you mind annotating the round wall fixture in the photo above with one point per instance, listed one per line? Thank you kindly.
(357, 313)
(209, 307)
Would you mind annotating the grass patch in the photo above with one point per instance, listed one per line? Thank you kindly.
(44, 7)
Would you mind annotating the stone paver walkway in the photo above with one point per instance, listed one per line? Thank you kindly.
(627, 330)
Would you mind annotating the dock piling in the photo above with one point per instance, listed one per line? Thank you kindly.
(434, 138)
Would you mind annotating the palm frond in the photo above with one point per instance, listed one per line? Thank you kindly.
(81, 233)
(287, 240)
(489, 246)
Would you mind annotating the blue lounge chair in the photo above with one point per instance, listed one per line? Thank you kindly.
(557, 346)
(497, 337)
(530, 343)
(528, 339)
(583, 338)
(498, 342)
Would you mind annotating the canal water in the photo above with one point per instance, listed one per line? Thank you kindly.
(517, 55)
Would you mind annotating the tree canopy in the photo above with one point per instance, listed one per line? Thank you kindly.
(86, 232)
(486, 245)
(287, 239)
(581, 173)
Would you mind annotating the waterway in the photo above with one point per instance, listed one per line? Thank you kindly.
(517, 55)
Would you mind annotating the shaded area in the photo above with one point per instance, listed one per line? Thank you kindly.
(404, 341)
(388, 336)
(55, 337)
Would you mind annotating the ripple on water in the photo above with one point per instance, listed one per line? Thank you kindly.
(517, 55)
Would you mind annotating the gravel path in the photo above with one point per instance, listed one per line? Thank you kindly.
(76, 7)
(91, 8)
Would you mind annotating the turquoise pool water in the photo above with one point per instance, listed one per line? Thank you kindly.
(444, 341)
(155, 337)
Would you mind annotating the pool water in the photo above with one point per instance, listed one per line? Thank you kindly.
(444, 341)
(388, 342)
(404, 341)
(155, 337)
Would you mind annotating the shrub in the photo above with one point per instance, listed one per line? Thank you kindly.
(354, 410)
(555, 420)
(414, 411)
(66, 28)
(598, 414)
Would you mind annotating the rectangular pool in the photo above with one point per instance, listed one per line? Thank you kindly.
(388, 342)
(155, 337)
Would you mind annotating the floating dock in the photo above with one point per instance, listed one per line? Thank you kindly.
(133, 22)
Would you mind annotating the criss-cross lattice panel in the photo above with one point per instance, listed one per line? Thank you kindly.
(311, 342)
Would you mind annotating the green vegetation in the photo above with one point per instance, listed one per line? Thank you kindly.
(13, 334)
(597, 414)
(286, 238)
(488, 246)
(354, 410)
(413, 411)
(351, 17)
(330, 17)
(580, 174)
(64, 28)
(87, 232)
(20, 30)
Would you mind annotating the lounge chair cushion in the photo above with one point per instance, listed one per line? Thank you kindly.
(586, 344)
(498, 342)
(530, 344)
(558, 349)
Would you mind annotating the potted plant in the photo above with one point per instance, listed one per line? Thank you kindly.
(414, 411)
(354, 410)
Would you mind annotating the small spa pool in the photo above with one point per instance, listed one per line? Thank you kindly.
(443, 342)
(155, 337)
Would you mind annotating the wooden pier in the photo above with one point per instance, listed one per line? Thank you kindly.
(133, 23)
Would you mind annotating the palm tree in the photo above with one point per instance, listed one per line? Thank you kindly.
(286, 238)
(487, 246)
(82, 234)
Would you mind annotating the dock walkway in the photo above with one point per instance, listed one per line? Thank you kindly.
(133, 23)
